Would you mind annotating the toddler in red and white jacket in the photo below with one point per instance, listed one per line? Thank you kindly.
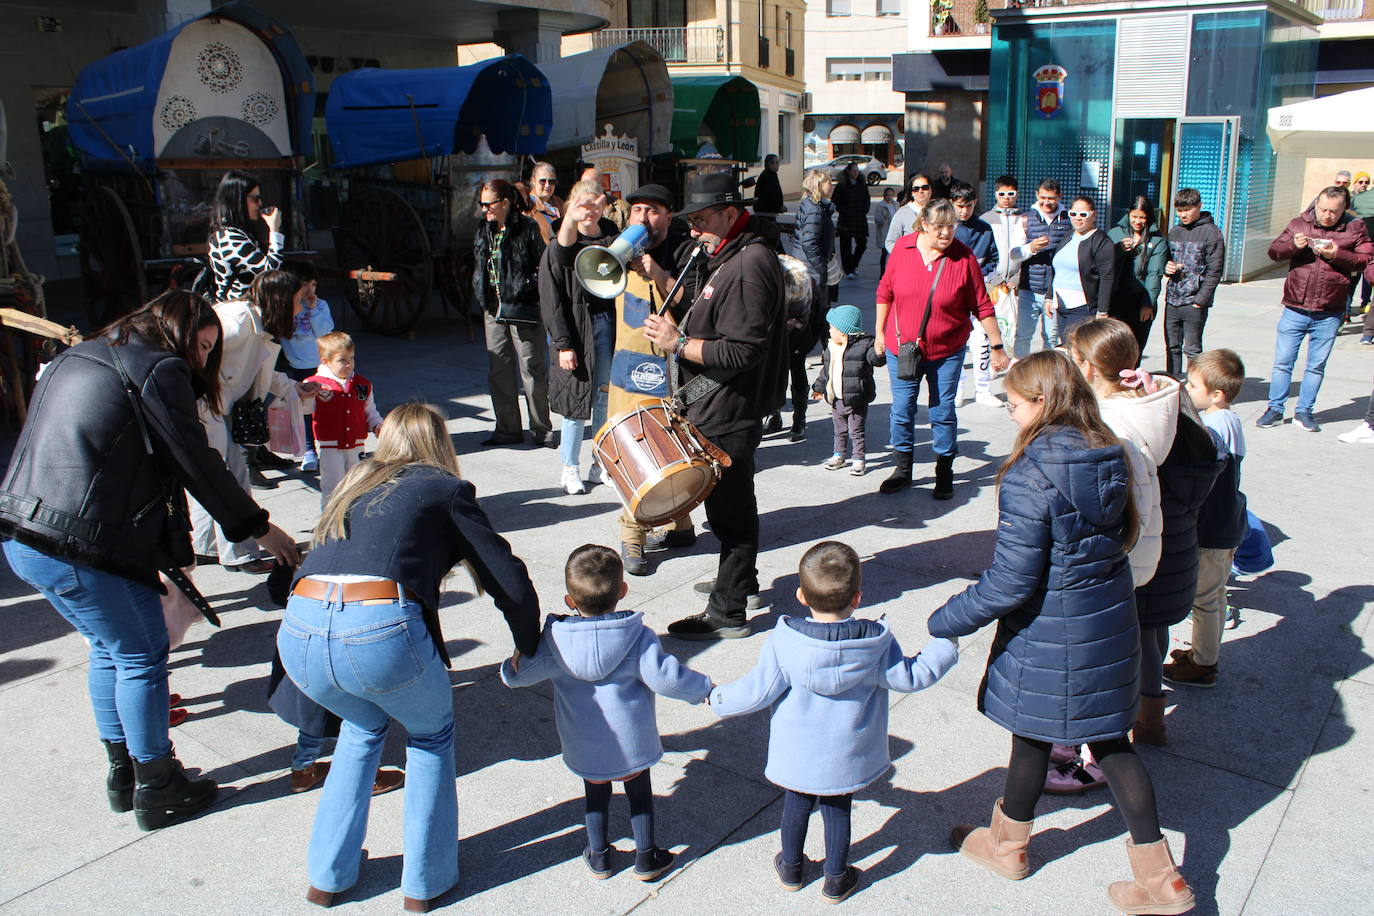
(345, 411)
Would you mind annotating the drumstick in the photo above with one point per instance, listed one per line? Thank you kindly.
(697, 252)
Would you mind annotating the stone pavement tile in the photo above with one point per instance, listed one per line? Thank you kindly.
(1320, 857)
(34, 639)
(57, 819)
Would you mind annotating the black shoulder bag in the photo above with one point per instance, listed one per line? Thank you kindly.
(909, 354)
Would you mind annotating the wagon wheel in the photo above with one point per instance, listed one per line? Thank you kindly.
(454, 268)
(111, 259)
(380, 230)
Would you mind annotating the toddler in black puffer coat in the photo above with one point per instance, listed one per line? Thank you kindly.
(846, 381)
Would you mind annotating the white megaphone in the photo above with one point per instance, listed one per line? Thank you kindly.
(601, 268)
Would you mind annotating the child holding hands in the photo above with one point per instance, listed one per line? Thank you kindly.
(828, 676)
(345, 411)
(606, 666)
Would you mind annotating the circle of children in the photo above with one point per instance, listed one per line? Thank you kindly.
(1120, 514)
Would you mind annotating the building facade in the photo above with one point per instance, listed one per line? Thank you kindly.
(853, 107)
(719, 54)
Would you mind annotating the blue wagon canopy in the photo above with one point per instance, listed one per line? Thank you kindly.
(381, 116)
(230, 84)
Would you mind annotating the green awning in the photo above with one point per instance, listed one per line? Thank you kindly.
(729, 106)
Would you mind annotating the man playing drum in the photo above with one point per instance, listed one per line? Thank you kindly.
(727, 349)
(639, 369)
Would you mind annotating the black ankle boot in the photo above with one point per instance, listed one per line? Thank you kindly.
(798, 421)
(944, 476)
(164, 792)
(119, 781)
(900, 478)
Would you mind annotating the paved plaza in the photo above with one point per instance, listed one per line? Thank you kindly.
(1263, 789)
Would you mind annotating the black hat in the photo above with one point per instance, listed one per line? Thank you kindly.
(653, 193)
(712, 190)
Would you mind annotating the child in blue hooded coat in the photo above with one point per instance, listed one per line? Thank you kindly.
(606, 666)
(827, 680)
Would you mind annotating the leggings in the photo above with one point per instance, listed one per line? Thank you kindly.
(1126, 777)
(1153, 643)
(796, 813)
(639, 791)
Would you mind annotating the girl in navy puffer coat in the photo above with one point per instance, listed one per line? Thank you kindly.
(1064, 661)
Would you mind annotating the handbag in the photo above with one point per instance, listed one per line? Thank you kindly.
(834, 273)
(909, 354)
(248, 422)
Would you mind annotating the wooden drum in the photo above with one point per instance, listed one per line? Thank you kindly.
(660, 466)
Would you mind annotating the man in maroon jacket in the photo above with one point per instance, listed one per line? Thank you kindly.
(1325, 248)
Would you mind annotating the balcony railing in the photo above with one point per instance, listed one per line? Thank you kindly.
(688, 45)
(1340, 10)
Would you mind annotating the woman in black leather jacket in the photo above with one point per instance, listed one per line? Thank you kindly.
(92, 508)
(505, 286)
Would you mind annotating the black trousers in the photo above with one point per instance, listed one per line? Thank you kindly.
(733, 512)
(1182, 336)
(852, 251)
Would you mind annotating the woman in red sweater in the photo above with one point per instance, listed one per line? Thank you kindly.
(931, 257)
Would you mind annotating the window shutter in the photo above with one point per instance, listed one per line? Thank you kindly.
(1151, 67)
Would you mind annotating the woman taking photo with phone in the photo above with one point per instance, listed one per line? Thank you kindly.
(236, 257)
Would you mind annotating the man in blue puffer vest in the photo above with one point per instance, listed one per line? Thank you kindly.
(1047, 224)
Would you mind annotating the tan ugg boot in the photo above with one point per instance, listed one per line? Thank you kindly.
(999, 847)
(1149, 722)
(1157, 888)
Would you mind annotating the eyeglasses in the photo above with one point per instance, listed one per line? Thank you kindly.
(1006, 193)
(1080, 214)
(488, 204)
(545, 181)
(920, 187)
(698, 220)
(1012, 405)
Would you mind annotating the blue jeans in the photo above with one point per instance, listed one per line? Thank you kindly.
(370, 662)
(1067, 319)
(1030, 314)
(1320, 329)
(570, 439)
(309, 748)
(942, 378)
(122, 621)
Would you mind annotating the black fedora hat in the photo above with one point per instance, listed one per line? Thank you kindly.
(712, 190)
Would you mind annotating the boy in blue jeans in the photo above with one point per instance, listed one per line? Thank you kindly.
(829, 676)
(606, 666)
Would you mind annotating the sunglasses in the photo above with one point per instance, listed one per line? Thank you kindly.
(1006, 193)
(1080, 214)
(256, 198)
(920, 187)
(488, 204)
(544, 181)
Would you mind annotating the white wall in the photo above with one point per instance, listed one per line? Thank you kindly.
(862, 34)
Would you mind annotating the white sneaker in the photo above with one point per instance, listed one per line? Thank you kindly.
(959, 392)
(987, 399)
(572, 482)
(594, 476)
(1362, 433)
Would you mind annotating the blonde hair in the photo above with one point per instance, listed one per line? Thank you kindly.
(587, 186)
(939, 213)
(1109, 346)
(812, 181)
(415, 433)
(332, 344)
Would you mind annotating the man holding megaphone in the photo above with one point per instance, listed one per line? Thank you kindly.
(728, 346)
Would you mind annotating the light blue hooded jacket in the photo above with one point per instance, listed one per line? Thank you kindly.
(605, 671)
(829, 730)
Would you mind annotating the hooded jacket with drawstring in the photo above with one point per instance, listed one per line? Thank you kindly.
(828, 735)
(605, 671)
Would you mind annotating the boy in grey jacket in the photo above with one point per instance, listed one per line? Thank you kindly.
(829, 676)
(606, 666)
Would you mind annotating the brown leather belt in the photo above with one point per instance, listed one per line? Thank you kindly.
(380, 590)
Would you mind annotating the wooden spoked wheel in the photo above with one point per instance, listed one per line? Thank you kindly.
(111, 259)
(455, 267)
(381, 231)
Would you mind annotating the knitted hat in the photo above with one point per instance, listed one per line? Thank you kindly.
(846, 319)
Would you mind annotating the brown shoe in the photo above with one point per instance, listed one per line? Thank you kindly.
(1156, 888)
(308, 778)
(1183, 670)
(1149, 723)
(1000, 847)
(387, 780)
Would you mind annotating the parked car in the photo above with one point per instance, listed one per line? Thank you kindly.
(873, 170)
